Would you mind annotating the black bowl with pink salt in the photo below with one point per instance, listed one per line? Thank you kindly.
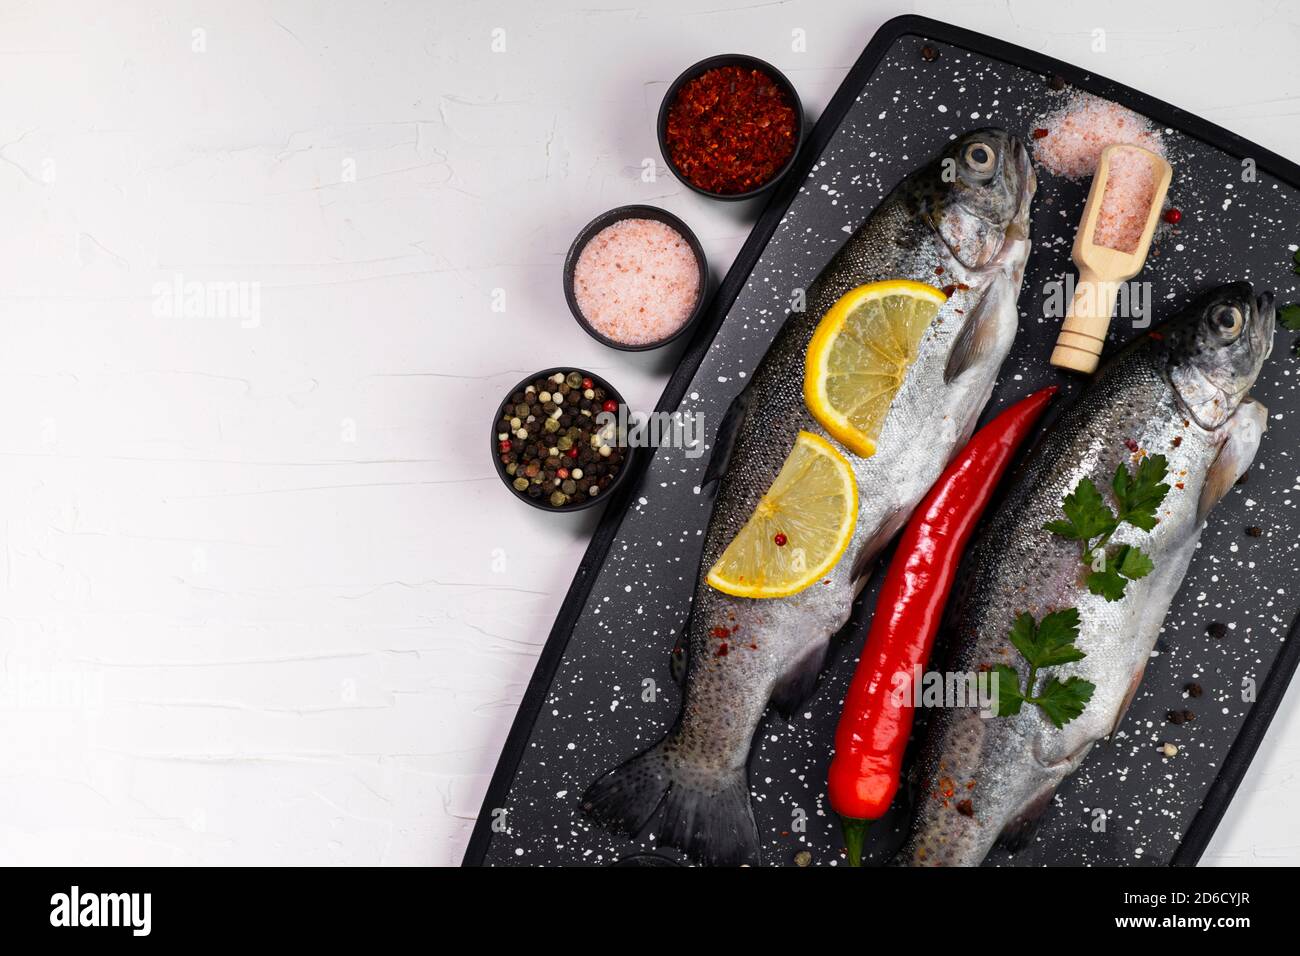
(636, 278)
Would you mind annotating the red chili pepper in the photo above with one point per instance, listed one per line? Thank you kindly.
(873, 730)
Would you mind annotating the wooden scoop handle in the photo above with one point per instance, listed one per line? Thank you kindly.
(1083, 333)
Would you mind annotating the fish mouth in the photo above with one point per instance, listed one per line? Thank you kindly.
(1263, 321)
(1018, 228)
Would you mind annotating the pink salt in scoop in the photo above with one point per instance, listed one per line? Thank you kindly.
(637, 281)
(1111, 246)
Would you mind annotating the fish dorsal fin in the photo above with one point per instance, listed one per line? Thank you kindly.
(724, 442)
(1245, 429)
(978, 333)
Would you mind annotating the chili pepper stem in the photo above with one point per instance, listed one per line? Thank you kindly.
(854, 832)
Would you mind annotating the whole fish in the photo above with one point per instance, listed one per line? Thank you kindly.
(961, 222)
(1181, 392)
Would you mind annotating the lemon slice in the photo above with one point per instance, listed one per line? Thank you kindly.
(800, 528)
(860, 354)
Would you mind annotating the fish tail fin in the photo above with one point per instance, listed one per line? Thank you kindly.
(707, 814)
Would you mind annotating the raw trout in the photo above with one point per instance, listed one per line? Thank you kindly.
(1179, 392)
(961, 223)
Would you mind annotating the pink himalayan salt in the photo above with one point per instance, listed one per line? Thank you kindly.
(1126, 203)
(1083, 127)
(637, 282)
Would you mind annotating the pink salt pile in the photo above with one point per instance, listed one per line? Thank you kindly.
(1126, 203)
(1069, 141)
(637, 282)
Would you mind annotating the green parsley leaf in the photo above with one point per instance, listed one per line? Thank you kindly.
(1057, 633)
(1008, 690)
(1051, 641)
(1140, 494)
(1289, 316)
(1022, 636)
(1107, 583)
(1132, 562)
(1128, 563)
(1062, 701)
(1087, 514)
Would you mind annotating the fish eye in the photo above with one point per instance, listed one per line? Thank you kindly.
(979, 157)
(1228, 320)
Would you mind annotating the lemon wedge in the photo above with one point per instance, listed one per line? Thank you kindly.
(860, 354)
(800, 528)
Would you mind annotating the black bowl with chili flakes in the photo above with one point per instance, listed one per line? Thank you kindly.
(730, 126)
(556, 468)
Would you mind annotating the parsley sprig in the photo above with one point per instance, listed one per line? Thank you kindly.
(1045, 643)
(1091, 521)
(1289, 315)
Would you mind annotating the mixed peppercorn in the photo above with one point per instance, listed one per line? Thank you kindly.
(551, 443)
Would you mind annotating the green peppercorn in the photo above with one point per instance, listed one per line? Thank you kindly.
(521, 484)
(568, 486)
(558, 498)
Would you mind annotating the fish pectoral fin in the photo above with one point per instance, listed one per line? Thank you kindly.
(978, 333)
(1244, 431)
(724, 442)
(796, 685)
(1020, 829)
(679, 658)
(1128, 698)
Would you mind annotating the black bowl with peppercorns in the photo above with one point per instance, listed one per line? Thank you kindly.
(556, 440)
(730, 126)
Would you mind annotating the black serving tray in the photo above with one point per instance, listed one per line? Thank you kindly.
(586, 707)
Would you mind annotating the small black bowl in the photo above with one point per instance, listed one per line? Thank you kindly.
(749, 62)
(607, 219)
(544, 503)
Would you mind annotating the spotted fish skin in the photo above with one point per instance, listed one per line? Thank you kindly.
(1179, 392)
(958, 227)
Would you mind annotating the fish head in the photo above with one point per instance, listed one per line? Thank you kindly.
(977, 195)
(1215, 348)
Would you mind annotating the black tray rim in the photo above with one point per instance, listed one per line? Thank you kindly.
(1248, 739)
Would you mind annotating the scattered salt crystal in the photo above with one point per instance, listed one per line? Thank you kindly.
(1083, 127)
(637, 281)
(1126, 203)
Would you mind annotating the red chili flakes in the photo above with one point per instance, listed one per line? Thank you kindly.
(966, 808)
(1130, 444)
(730, 130)
(1040, 133)
(1178, 440)
(721, 651)
(946, 786)
(949, 289)
(720, 632)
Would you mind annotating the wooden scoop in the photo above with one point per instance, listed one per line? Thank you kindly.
(1102, 268)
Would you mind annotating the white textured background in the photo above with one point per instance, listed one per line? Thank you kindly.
(262, 599)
